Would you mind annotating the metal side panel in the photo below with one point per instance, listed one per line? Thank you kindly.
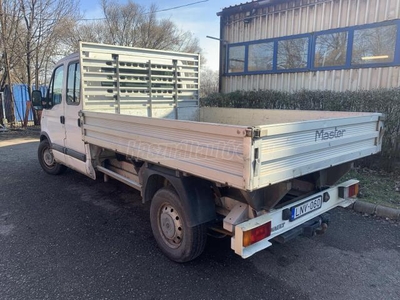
(117, 79)
(290, 150)
(213, 151)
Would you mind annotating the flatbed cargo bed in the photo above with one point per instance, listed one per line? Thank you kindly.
(220, 147)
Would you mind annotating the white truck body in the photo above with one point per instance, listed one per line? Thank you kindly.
(141, 106)
(227, 153)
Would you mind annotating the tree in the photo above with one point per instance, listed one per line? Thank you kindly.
(209, 82)
(10, 17)
(130, 24)
(44, 22)
(36, 33)
(31, 31)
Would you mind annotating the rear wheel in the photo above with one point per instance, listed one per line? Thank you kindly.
(177, 241)
(46, 159)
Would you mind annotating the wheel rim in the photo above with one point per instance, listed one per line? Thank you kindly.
(48, 157)
(170, 225)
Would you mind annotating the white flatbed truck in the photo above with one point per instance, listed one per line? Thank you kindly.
(255, 175)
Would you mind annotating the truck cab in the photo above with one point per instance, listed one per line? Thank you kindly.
(61, 136)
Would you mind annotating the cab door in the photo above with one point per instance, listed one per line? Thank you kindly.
(75, 149)
(53, 122)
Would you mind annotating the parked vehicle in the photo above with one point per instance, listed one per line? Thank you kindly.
(254, 175)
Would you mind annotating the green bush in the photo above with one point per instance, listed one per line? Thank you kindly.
(386, 101)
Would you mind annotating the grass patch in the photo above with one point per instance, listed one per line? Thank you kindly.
(377, 187)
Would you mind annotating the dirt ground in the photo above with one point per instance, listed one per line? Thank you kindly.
(21, 134)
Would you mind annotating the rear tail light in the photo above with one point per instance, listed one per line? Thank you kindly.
(257, 234)
(349, 191)
(353, 190)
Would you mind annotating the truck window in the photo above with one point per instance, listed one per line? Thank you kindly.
(73, 84)
(56, 86)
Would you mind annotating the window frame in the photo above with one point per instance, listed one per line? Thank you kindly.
(51, 88)
(348, 54)
(76, 63)
(271, 41)
(294, 37)
(245, 58)
(396, 45)
(311, 51)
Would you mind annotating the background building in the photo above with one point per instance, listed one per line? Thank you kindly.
(310, 44)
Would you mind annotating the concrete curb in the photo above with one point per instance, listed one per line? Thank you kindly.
(376, 209)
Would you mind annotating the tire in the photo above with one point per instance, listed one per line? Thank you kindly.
(175, 238)
(46, 159)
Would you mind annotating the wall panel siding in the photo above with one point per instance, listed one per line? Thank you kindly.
(298, 17)
(308, 16)
(338, 80)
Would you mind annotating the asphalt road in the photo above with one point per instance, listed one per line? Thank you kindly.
(69, 237)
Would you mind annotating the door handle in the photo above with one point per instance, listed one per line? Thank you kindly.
(79, 122)
(62, 119)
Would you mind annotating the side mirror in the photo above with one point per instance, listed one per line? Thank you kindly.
(37, 100)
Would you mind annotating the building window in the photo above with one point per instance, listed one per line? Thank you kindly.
(374, 45)
(361, 46)
(330, 49)
(292, 54)
(261, 57)
(236, 59)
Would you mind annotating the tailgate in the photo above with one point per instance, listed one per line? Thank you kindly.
(286, 151)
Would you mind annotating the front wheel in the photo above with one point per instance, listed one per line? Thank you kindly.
(46, 159)
(176, 239)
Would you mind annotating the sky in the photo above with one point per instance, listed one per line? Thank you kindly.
(201, 19)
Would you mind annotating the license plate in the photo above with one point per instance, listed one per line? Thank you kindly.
(305, 208)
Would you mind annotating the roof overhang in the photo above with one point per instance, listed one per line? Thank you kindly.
(243, 7)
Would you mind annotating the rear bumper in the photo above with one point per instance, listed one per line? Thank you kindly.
(281, 222)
